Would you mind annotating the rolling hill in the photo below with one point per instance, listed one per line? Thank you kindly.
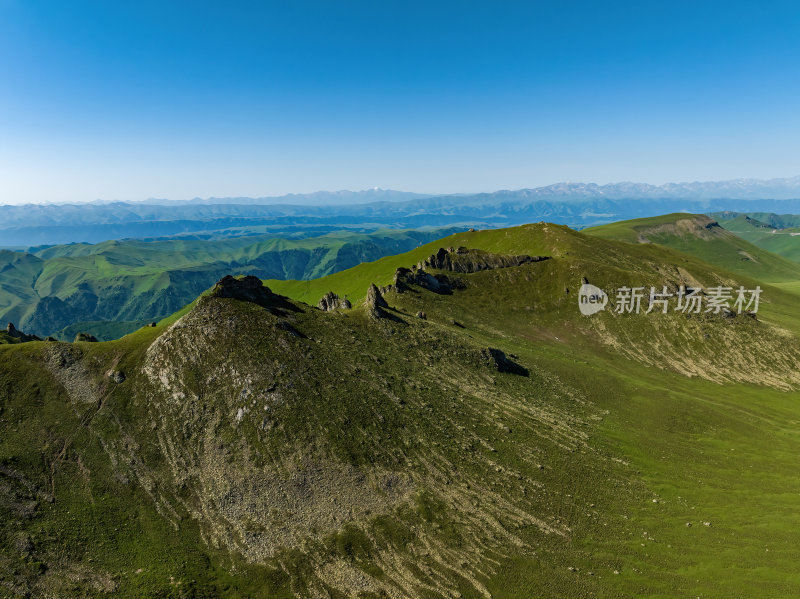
(779, 234)
(703, 237)
(476, 436)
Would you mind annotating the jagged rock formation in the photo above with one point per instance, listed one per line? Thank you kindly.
(438, 283)
(375, 303)
(251, 289)
(18, 335)
(464, 260)
(248, 289)
(330, 301)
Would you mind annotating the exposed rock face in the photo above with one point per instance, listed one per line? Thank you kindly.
(467, 261)
(375, 303)
(66, 363)
(700, 226)
(330, 301)
(257, 503)
(403, 277)
(374, 298)
(251, 289)
(14, 333)
(248, 289)
(85, 337)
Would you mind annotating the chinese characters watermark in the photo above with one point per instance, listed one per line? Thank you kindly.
(687, 300)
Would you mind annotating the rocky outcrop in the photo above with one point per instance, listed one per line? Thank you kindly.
(85, 337)
(330, 302)
(18, 335)
(375, 303)
(501, 362)
(374, 298)
(116, 375)
(67, 364)
(438, 283)
(251, 289)
(247, 289)
(467, 261)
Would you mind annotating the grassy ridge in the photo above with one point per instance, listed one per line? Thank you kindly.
(119, 281)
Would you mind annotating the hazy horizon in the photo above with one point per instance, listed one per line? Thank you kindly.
(307, 196)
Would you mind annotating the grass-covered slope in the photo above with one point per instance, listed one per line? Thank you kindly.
(116, 282)
(779, 234)
(265, 448)
(704, 238)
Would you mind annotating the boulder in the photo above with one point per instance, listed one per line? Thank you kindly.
(116, 375)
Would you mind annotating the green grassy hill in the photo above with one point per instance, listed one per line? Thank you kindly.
(108, 284)
(770, 219)
(779, 234)
(701, 236)
(502, 446)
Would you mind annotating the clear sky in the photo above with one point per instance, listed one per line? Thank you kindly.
(132, 99)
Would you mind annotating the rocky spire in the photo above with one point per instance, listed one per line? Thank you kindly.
(374, 298)
(375, 303)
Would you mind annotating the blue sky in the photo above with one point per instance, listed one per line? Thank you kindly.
(130, 100)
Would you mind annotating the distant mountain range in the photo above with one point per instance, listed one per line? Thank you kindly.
(575, 204)
(317, 198)
(735, 189)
